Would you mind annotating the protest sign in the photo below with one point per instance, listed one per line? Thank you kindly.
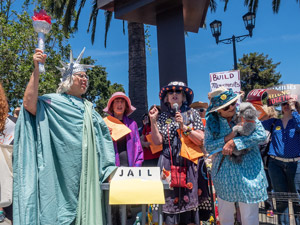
(118, 128)
(283, 93)
(153, 147)
(227, 79)
(136, 185)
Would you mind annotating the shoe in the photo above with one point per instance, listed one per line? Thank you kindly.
(2, 217)
(270, 213)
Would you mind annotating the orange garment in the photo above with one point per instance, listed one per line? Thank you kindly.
(203, 121)
(189, 149)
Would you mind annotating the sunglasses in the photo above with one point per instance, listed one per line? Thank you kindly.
(201, 110)
(172, 91)
(227, 107)
(284, 104)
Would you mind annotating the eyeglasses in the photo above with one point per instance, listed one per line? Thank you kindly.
(227, 107)
(81, 76)
(172, 91)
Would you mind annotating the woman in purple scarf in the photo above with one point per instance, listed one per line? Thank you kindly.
(128, 149)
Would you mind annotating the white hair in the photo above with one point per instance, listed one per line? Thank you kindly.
(64, 86)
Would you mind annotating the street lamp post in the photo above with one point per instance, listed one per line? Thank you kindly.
(216, 27)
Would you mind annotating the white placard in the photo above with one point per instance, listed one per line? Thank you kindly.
(136, 185)
(228, 79)
(144, 173)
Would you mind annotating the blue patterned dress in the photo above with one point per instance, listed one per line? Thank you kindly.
(244, 182)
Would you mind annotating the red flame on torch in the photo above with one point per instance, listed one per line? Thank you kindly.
(41, 15)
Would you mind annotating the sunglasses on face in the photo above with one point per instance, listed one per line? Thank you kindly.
(81, 76)
(201, 110)
(174, 91)
(284, 104)
(228, 107)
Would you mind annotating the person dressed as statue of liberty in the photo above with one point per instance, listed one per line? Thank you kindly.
(62, 152)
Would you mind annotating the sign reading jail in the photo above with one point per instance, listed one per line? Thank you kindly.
(136, 185)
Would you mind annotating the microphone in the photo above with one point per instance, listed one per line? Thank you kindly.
(175, 107)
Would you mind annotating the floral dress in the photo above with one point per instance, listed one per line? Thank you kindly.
(238, 182)
(181, 200)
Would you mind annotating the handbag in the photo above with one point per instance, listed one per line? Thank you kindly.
(178, 176)
(178, 173)
(264, 149)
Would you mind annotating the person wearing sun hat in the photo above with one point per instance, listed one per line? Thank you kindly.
(128, 149)
(243, 182)
(174, 128)
(201, 107)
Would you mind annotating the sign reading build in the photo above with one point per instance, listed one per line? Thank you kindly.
(136, 185)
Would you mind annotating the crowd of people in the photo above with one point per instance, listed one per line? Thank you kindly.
(64, 150)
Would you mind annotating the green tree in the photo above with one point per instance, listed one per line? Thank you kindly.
(258, 71)
(17, 43)
(253, 4)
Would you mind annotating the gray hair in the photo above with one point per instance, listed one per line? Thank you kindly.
(64, 86)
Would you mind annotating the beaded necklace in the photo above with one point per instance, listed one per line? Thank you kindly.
(73, 103)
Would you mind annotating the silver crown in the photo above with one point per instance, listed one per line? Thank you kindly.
(73, 67)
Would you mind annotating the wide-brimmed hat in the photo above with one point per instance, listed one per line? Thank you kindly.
(177, 85)
(199, 105)
(115, 95)
(220, 98)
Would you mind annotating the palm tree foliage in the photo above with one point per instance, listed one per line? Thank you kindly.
(253, 5)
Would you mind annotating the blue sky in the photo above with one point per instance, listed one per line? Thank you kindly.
(277, 35)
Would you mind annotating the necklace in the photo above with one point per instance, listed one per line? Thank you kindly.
(73, 103)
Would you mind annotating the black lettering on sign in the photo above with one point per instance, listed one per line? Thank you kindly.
(130, 173)
(149, 174)
(140, 173)
(121, 173)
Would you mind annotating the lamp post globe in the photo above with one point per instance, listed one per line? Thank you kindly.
(216, 27)
(249, 21)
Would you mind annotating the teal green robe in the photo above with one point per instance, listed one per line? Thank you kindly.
(60, 159)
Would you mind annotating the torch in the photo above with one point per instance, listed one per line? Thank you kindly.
(42, 25)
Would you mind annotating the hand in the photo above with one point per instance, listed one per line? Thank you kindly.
(199, 192)
(39, 57)
(145, 144)
(292, 103)
(179, 119)
(153, 114)
(242, 94)
(228, 148)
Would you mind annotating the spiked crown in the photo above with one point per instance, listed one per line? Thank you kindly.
(69, 69)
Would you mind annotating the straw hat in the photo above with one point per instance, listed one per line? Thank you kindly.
(220, 98)
(197, 105)
(131, 108)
